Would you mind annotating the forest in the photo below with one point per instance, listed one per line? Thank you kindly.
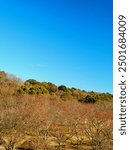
(43, 116)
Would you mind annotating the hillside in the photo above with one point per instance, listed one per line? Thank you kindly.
(40, 115)
(33, 87)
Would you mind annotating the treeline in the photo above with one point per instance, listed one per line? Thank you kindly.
(34, 87)
(11, 84)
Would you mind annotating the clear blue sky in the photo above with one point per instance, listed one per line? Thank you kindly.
(60, 41)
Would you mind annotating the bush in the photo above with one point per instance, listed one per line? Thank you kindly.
(88, 99)
(52, 87)
(63, 88)
(31, 81)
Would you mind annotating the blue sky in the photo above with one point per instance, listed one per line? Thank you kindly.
(60, 41)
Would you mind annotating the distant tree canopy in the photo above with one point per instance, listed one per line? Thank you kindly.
(11, 84)
(32, 86)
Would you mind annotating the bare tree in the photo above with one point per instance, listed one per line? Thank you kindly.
(14, 120)
(98, 128)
